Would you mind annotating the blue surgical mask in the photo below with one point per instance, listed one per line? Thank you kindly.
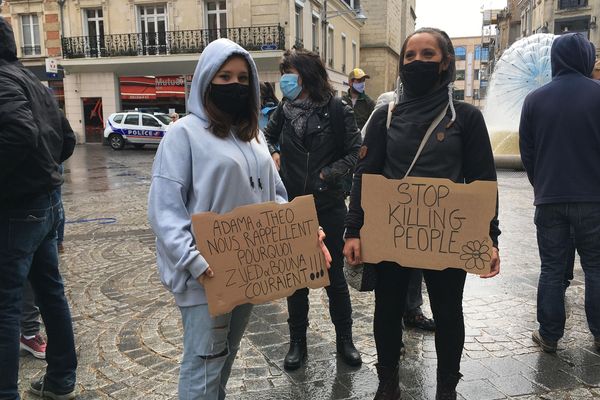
(359, 86)
(289, 86)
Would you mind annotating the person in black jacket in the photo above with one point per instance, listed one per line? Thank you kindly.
(314, 157)
(560, 148)
(35, 138)
(460, 151)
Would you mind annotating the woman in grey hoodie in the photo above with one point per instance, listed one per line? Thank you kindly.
(214, 159)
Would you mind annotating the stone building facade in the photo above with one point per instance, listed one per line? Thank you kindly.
(36, 25)
(126, 54)
(522, 18)
(389, 23)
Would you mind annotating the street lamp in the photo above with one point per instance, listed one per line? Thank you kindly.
(358, 15)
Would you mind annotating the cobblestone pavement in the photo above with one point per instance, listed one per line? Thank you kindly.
(128, 329)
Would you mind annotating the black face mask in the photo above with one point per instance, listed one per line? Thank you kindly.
(420, 77)
(230, 98)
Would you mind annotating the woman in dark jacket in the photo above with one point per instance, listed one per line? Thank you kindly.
(315, 156)
(459, 150)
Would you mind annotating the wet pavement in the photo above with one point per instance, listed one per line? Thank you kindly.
(128, 330)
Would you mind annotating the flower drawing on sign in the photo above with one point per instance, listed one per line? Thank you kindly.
(475, 254)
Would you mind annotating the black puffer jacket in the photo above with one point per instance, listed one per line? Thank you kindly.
(35, 137)
(318, 151)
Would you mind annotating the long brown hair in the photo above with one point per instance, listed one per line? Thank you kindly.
(220, 123)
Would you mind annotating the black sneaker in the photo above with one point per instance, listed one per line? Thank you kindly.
(419, 321)
(547, 345)
(38, 388)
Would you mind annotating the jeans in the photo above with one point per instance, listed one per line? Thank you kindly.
(570, 272)
(554, 223)
(28, 248)
(340, 309)
(445, 290)
(30, 317)
(60, 229)
(209, 349)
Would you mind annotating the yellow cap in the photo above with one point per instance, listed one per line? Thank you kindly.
(357, 73)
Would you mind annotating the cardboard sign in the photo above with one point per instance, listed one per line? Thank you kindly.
(260, 252)
(428, 223)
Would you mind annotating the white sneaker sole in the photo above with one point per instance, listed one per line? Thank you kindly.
(36, 354)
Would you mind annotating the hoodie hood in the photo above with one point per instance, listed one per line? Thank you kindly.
(8, 47)
(209, 63)
(572, 53)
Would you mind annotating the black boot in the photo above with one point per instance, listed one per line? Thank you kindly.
(296, 355)
(345, 348)
(389, 383)
(446, 386)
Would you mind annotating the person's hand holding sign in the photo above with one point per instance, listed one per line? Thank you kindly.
(494, 264)
(324, 248)
(208, 273)
(352, 251)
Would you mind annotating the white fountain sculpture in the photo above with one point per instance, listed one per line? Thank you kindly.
(524, 67)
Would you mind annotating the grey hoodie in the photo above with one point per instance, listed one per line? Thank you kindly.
(195, 171)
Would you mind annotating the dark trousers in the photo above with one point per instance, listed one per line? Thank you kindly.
(60, 229)
(445, 290)
(28, 248)
(414, 298)
(30, 317)
(556, 225)
(340, 309)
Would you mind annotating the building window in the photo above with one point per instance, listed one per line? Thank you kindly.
(566, 4)
(577, 24)
(476, 74)
(460, 53)
(299, 27)
(482, 55)
(94, 30)
(315, 34)
(344, 55)
(460, 75)
(475, 94)
(350, 3)
(354, 55)
(216, 15)
(330, 49)
(31, 35)
(459, 95)
(153, 27)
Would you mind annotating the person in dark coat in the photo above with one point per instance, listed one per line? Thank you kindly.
(460, 151)
(35, 138)
(560, 149)
(313, 158)
(361, 103)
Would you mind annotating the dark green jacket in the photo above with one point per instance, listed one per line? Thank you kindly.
(362, 109)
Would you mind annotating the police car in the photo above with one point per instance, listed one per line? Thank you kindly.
(137, 128)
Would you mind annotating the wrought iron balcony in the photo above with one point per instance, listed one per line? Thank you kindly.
(254, 38)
